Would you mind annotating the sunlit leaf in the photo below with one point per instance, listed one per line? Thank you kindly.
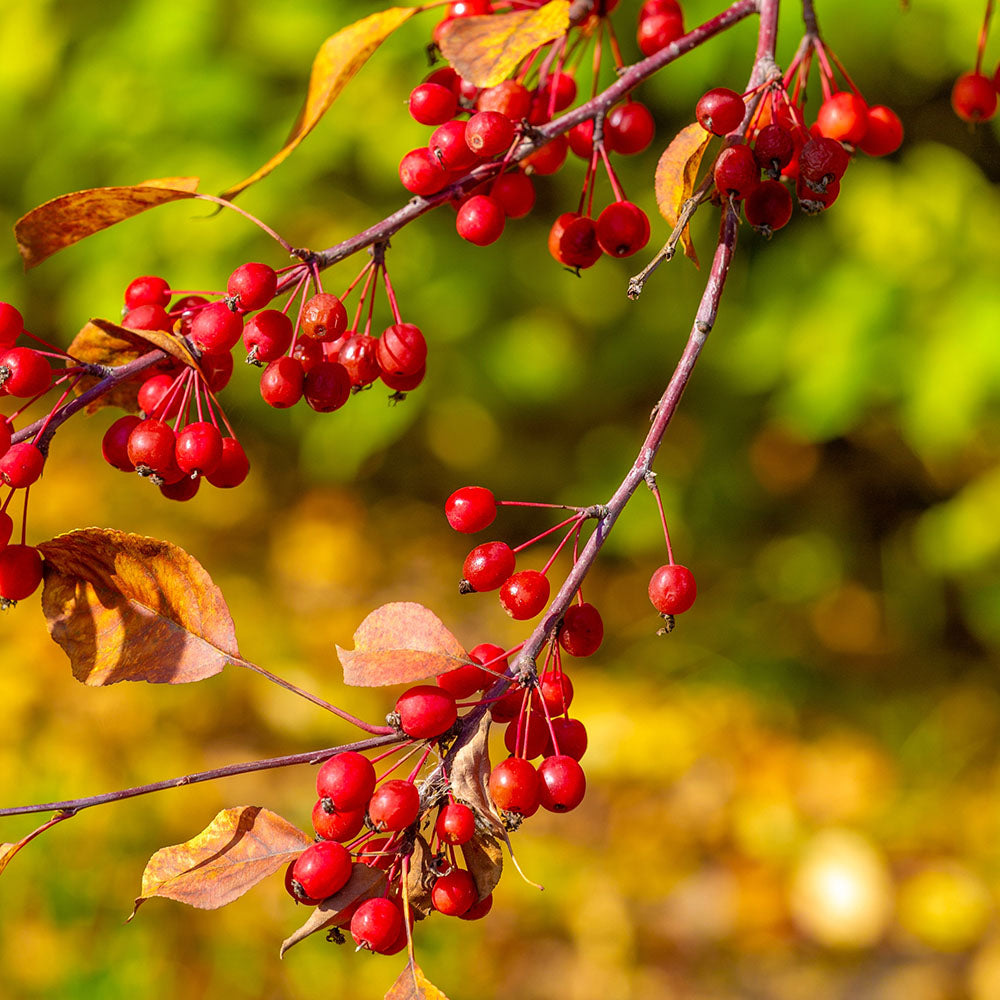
(339, 58)
(69, 218)
(420, 876)
(239, 848)
(469, 769)
(398, 643)
(486, 49)
(365, 882)
(128, 608)
(676, 175)
(484, 859)
(412, 984)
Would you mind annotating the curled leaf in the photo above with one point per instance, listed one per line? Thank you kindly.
(339, 58)
(484, 859)
(676, 175)
(398, 643)
(128, 608)
(468, 768)
(486, 49)
(412, 984)
(420, 876)
(168, 342)
(238, 849)
(70, 218)
(365, 882)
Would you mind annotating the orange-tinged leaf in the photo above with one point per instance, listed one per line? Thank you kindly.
(468, 768)
(69, 218)
(128, 608)
(486, 49)
(398, 643)
(238, 849)
(168, 342)
(365, 882)
(7, 852)
(412, 984)
(338, 59)
(420, 876)
(676, 175)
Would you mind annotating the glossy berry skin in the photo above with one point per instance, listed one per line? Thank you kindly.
(336, 824)
(347, 779)
(672, 589)
(281, 383)
(403, 383)
(432, 104)
(6, 433)
(513, 786)
(516, 194)
(974, 98)
(523, 595)
(462, 681)
(555, 95)
(548, 159)
(216, 328)
(322, 869)
(376, 924)
(447, 143)
(21, 465)
(181, 489)
(11, 324)
(471, 509)
(217, 370)
(6, 529)
(581, 138)
(114, 446)
(252, 286)
(571, 738)
(493, 660)
(573, 240)
(233, 467)
(426, 711)
(147, 290)
(720, 110)
(148, 318)
(268, 335)
(534, 736)
(510, 98)
(629, 128)
(394, 805)
(843, 116)
(489, 133)
(28, 373)
(453, 894)
(478, 910)
(480, 220)
(198, 448)
(657, 31)
(151, 445)
(488, 565)
(327, 386)
(773, 148)
(324, 317)
(556, 690)
(582, 630)
(768, 207)
(885, 132)
(401, 350)
(456, 824)
(561, 784)
(622, 229)
(421, 173)
(509, 706)
(357, 355)
(736, 171)
(20, 571)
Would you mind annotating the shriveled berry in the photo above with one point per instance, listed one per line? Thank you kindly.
(394, 805)
(524, 594)
(672, 589)
(252, 286)
(233, 467)
(813, 201)
(821, 162)
(773, 148)
(21, 465)
(720, 110)
(20, 571)
(456, 824)
(471, 509)
(736, 171)
(582, 630)
(426, 711)
(454, 893)
(324, 317)
(768, 207)
(561, 784)
(488, 565)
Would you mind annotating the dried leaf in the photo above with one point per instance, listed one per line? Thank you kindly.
(128, 608)
(486, 49)
(484, 859)
(7, 852)
(420, 877)
(338, 59)
(398, 643)
(676, 175)
(469, 769)
(365, 882)
(69, 218)
(412, 984)
(168, 342)
(238, 849)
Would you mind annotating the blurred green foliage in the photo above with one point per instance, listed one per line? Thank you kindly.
(795, 794)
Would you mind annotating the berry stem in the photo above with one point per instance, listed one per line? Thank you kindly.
(284, 244)
(983, 33)
(545, 534)
(655, 490)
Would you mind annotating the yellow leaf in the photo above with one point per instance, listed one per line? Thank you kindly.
(339, 58)
(412, 984)
(676, 175)
(486, 49)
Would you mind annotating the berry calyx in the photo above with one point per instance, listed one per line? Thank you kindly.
(471, 509)
(524, 594)
(268, 335)
(421, 173)
(672, 589)
(426, 711)
(336, 824)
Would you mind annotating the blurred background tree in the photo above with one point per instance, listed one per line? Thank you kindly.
(793, 795)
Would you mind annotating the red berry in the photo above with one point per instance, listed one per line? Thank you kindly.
(151, 446)
(510, 98)
(309, 353)
(843, 116)
(147, 291)
(556, 690)
(148, 317)
(516, 194)
(456, 824)
(773, 148)
(114, 446)
(323, 869)
(6, 528)
(324, 317)
(736, 171)
(377, 924)
(357, 355)
(514, 786)
(573, 240)
(974, 98)
(20, 572)
(672, 589)
(446, 77)
(488, 565)
(462, 681)
(629, 129)
(524, 594)
(198, 448)
(233, 467)
(657, 31)
(421, 173)
(252, 286)
(821, 162)
(720, 110)
(426, 711)
(570, 738)
(622, 229)
(509, 706)
(11, 324)
(454, 893)
(812, 201)
(268, 335)
(21, 465)
(394, 805)
(448, 145)
(336, 824)
(582, 630)
(184, 312)
(549, 158)
(6, 433)
(432, 104)
(181, 489)
(216, 329)
(768, 207)
(401, 350)
(581, 138)
(471, 509)
(885, 132)
(24, 372)
(347, 779)
(327, 386)
(534, 736)
(493, 660)
(479, 910)
(403, 383)
(152, 397)
(281, 383)
(480, 220)
(217, 370)
(561, 784)
(489, 133)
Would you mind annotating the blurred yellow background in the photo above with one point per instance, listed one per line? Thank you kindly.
(795, 795)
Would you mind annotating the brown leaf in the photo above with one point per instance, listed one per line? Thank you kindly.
(128, 608)
(484, 859)
(7, 852)
(468, 769)
(338, 59)
(168, 342)
(238, 849)
(69, 218)
(486, 49)
(412, 984)
(419, 876)
(365, 882)
(676, 174)
(398, 643)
